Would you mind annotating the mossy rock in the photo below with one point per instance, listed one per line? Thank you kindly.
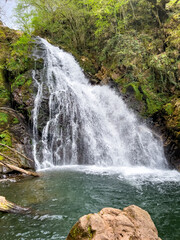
(3, 119)
(15, 121)
(4, 92)
(39, 63)
(11, 135)
(22, 93)
(7, 120)
(172, 111)
(6, 138)
(169, 108)
(154, 101)
(2, 35)
(134, 88)
(77, 233)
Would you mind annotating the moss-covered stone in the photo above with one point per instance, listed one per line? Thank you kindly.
(6, 138)
(12, 134)
(134, 87)
(75, 232)
(3, 118)
(15, 91)
(4, 92)
(168, 108)
(15, 121)
(173, 115)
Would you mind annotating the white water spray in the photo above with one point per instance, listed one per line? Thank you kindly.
(85, 124)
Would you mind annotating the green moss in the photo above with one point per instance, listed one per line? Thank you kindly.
(75, 231)
(153, 102)
(3, 118)
(168, 108)
(122, 81)
(28, 82)
(90, 233)
(18, 81)
(134, 87)
(152, 106)
(2, 34)
(20, 60)
(4, 93)
(5, 138)
(15, 121)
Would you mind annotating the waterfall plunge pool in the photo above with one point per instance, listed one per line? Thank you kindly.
(63, 194)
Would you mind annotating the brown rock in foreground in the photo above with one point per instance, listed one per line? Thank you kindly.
(131, 223)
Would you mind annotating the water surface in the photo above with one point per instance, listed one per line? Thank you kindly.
(62, 195)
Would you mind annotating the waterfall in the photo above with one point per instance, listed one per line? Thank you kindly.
(77, 123)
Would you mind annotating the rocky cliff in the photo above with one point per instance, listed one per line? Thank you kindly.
(17, 97)
(16, 100)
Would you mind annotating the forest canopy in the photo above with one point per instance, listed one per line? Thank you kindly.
(139, 40)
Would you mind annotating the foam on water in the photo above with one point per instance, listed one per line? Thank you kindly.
(137, 175)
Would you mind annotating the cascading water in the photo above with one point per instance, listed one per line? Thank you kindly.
(77, 123)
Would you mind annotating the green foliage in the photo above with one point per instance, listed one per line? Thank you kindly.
(168, 108)
(3, 118)
(139, 40)
(5, 138)
(19, 60)
(4, 93)
(124, 50)
(134, 86)
(164, 67)
(65, 22)
(15, 121)
(154, 101)
(18, 81)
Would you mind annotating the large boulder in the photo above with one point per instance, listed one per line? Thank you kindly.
(131, 223)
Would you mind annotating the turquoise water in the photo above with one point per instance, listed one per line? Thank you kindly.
(63, 195)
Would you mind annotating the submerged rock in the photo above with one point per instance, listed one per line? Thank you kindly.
(131, 223)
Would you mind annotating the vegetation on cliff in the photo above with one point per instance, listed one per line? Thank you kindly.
(15, 91)
(138, 42)
(135, 43)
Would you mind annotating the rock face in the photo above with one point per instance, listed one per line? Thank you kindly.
(131, 223)
(16, 102)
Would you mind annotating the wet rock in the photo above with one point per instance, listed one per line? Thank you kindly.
(16, 103)
(6, 206)
(168, 122)
(113, 224)
(14, 133)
